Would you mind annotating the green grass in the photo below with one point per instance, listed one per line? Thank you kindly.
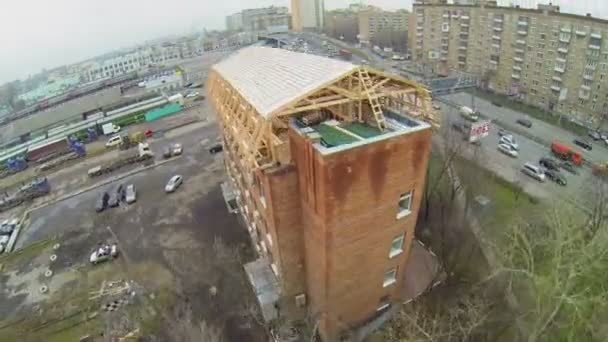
(362, 130)
(533, 111)
(333, 136)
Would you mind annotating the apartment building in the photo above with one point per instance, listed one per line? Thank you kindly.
(271, 18)
(234, 22)
(342, 24)
(374, 21)
(552, 60)
(308, 15)
(327, 161)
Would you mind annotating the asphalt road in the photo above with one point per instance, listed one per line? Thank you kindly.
(510, 168)
(539, 128)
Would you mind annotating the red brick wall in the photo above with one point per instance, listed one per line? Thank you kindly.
(349, 215)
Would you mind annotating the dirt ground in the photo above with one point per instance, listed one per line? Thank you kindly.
(182, 249)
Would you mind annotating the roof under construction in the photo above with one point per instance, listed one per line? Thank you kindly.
(270, 78)
(259, 92)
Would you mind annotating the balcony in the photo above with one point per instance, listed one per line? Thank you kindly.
(585, 87)
(419, 34)
(522, 33)
(444, 52)
(588, 77)
(465, 17)
(590, 67)
(497, 29)
(582, 94)
(596, 35)
(565, 29)
(462, 48)
(518, 59)
(443, 58)
(564, 39)
(498, 20)
(556, 88)
(559, 69)
(462, 62)
(557, 79)
(496, 37)
(560, 60)
(445, 15)
(520, 51)
(515, 76)
(562, 50)
(464, 33)
(445, 45)
(517, 67)
(496, 46)
(594, 47)
(420, 28)
(464, 24)
(522, 23)
(520, 42)
(493, 61)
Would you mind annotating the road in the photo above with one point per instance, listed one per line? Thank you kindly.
(510, 168)
(539, 128)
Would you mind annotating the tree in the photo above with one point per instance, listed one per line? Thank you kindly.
(558, 273)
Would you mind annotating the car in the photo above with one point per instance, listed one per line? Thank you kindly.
(130, 194)
(173, 183)
(509, 140)
(508, 150)
(603, 135)
(194, 94)
(583, 143)
(7, 227)
(103, 253)
(102, 202)
(167, 152)
(502, 131)
(524, 122)
(549, 164)
(217, 148)
(533, 171)
(4, 239)
(568, 166)
(556, 177)
(176, 149)
(116, 196)
(497, 104)
(114, 141)
(595, 135)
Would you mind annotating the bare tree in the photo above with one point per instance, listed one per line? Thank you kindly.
(184, 328)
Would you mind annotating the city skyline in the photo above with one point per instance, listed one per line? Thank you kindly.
(45, 35)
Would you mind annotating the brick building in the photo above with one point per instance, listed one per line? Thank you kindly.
(328, 161)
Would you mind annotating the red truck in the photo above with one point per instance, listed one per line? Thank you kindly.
(564, 152)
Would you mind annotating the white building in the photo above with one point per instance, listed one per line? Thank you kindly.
(308, 15)
(234, 22)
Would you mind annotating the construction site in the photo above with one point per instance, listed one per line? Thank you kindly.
(326, 163)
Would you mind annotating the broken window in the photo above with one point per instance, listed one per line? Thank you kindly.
(384, 303)
(396, 246)
(390, 277)
(405, 204)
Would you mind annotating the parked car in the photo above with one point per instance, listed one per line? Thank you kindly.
(524, 122)
(102, 202)
(130, 194)
(497, 104)
(173, 183)
(595, 135)
(114, 141)
(7, 226)
(502, 132)
(217, 148)
(103, 253)
(556, 177)
(533, 171)
(568, 166)
(116, 196)
(167, 152)
(549, 164)
(176, 149)
(603, 135)
(509, 140)
(508, 150)
(583, 143)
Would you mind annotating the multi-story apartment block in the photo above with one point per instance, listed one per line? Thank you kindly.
(342, 24)
(271, 19)
(308, 15)
(373, 20)
(234, 22)
(552, 60)
(327, 160)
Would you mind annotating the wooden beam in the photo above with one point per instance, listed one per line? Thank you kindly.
(311, 107)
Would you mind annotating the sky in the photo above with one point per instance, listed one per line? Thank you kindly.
(36, 34)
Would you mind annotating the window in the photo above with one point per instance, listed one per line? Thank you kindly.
(269, 238)
(405, 204)
(390, 277)
(384, 303)
(396, 246)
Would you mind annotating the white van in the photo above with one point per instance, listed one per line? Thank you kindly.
(468, 114)
(114, 141)
(534, 171)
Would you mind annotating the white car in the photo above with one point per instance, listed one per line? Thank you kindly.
(103, 253)
(173, 183)
(114, 141)
(194, 94)
(176, 149)
(534, 171)
(509, 140)
(508, 150)
(130, 194)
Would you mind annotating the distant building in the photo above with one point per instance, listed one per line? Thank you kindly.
(552, 60)
(273, 19)
(342, 24)
(308, 15)
(384, 28)
(234, 22)
(165, 84)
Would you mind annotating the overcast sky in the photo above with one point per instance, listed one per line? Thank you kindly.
(36, 34)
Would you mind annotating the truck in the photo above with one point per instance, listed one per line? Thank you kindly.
(564, 152)
(110, 128)
(469, 114)
(27, 192)
(142, 154)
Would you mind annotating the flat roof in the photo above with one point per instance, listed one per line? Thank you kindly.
(270, 78)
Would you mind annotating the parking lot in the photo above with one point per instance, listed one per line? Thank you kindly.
(182, 247)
